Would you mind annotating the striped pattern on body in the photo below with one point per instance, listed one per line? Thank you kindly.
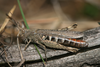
(75, 42)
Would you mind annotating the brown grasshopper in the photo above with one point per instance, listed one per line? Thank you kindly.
(59, 39)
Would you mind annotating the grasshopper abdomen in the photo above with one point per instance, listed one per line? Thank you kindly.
(67, 41)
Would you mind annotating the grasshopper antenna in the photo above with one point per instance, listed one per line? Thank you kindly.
(17, 24)
(14, 22)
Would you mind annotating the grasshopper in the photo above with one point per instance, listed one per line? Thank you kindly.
(60, 38)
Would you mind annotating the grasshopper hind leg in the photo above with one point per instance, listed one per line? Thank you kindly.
(52, 44)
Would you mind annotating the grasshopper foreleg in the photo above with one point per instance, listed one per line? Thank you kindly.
(23, 60)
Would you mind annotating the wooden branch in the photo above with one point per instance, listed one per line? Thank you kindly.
(92, 36)
(60, 58)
